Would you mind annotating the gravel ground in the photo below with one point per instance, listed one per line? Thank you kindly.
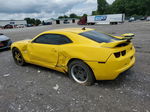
(35, 89)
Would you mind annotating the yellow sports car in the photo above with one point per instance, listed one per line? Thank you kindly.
(85, 54)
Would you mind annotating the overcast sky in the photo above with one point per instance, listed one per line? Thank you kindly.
(45, 9)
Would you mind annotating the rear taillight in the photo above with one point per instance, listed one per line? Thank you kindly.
(118, 54)
(123, 53)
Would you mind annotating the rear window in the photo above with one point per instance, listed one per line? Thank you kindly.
(98, 37)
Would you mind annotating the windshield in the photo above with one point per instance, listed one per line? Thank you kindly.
(98, 37)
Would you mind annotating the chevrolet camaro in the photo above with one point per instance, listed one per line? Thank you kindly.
(85, 54)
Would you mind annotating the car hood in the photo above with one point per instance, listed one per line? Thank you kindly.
(3, 38)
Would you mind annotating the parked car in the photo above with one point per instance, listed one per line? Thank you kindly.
(143, 18)
(20, 26)
(8, 26)
(5, 42)
(131, 19)
(148, 18)
(66, 22)
(47, 23)
(29, 25)
(84, 53)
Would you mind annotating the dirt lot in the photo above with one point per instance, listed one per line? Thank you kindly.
(36, 89)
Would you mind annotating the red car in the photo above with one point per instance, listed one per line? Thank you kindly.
(8, 26)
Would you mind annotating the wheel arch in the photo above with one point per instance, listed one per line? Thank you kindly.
(73, 59)
(14, 48)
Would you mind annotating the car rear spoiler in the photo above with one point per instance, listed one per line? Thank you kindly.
(116, 43)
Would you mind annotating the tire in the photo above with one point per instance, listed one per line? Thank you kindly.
(18, 58)
(81, 73)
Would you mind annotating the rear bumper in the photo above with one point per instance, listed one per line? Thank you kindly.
(113, 67)
(109, 71)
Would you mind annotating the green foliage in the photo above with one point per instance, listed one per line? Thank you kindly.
(60, 17)
(33, 21)
(102, 6)
(37, 22)
(73, 15)
(94, 13)
(65, 16)
(129, 7)
(84, 15)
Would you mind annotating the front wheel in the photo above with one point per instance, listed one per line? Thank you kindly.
(81, 73)
(18, 58)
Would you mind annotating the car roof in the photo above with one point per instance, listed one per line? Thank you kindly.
(71, 30)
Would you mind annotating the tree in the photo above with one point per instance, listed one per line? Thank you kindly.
(102, 6)
(84, 15)
(28, 20)
(60, 17)
(94, 13)
(73, 15)
(65, 16)
(37, 22)
(146, 4)
(33, 21)
(129, 7)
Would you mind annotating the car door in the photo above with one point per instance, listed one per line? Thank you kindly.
(45, 48)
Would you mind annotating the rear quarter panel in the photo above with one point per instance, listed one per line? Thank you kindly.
(83, 52)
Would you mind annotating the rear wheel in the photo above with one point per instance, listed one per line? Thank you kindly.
(81, 73)
(18, 58)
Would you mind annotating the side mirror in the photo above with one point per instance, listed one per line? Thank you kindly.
(126, 35)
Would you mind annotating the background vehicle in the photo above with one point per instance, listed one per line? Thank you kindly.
(84, 53)
(5, 41)
(82, 21)
(8, 26)
(131, 19)
(143, 18)
(148, 18)
(103, 19)
(66, 22)
(47, 23)
(29, 25)
(20, 26)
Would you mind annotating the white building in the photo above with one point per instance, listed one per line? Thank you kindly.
(63, 21)
(12, 22)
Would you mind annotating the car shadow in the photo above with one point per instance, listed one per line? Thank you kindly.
(40, 68)
(122, 79)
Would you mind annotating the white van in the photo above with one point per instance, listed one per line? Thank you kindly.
(148, 18)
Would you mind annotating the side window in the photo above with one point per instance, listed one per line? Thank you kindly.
(40, 39)
(54, 39)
